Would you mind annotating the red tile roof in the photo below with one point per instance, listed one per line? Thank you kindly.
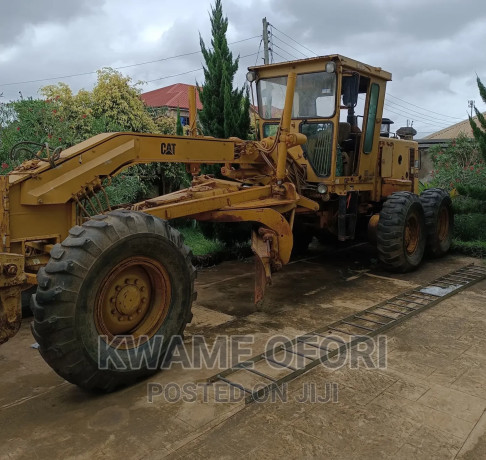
(170, 96)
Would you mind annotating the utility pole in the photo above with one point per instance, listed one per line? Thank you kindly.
(471, 106)
(265, 42)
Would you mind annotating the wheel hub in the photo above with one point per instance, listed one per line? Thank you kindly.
(412, 235)
(133, 299)
(443, 224)
(128, 300)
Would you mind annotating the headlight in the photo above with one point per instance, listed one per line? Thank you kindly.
(322, 188)
(330, 67)
(251, 76)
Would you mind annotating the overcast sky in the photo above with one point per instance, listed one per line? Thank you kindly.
(433, 48)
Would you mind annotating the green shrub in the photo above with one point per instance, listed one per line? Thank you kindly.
(470, 227)
(477, 192)
(458, 164)
(465, 205)
(471, 248)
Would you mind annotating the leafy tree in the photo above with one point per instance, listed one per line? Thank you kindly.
(458, 164)
(165, 123)
(480, 133)
(225, 110)
(65, 119)
(460, 168)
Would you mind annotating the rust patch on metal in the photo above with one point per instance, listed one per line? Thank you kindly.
(12, 268)
(10, 312)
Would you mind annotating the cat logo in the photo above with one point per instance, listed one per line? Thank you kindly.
(167, 149)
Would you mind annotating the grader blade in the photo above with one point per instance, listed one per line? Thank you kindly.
(261, 247)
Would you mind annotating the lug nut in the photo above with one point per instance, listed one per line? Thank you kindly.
(117, 288)
(113, 311)
(112, 300)
(130, 318)
(120, 318)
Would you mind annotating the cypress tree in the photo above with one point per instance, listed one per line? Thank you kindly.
(480, 134)
(225, 110)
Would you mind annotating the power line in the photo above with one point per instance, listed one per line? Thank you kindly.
(425, 119)
(285, 51)
(121, 67)
(175, 75)
(419, 117)
(419, 121)
(280, 56)
(289, 45)
(258, 53)
(190, 71)
(423, 108)
(419, 113)
(416, 113)
(305, 47)
(404, 115)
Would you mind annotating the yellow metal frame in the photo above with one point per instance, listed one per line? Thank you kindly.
(368, 179)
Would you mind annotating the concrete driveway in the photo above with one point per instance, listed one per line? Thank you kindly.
(426, 398)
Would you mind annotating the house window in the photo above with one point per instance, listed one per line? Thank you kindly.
(184, 121)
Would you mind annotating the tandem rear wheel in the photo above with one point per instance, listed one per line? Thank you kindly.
(410, 225)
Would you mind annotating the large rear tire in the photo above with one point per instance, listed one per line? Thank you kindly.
(401, 232)
(439, 220)
(112, 300)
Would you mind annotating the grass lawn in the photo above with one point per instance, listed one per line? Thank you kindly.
(199, 244)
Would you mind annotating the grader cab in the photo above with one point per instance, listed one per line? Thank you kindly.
(114, 286)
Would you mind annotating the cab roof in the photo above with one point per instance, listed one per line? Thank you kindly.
(314, 63)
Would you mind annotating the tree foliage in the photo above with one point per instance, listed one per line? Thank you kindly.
(461, 167)
(225, 110)
(64, 119)
(458, 164)
(480, 131)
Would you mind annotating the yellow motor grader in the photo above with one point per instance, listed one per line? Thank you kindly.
(114, 284)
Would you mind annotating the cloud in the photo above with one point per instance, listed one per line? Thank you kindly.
(432, 48)
(16, 17)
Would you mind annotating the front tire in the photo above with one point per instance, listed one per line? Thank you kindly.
(439, 220)
(401, 232)
(112, 300)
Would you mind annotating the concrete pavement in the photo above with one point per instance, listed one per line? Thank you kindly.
(429, 401)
